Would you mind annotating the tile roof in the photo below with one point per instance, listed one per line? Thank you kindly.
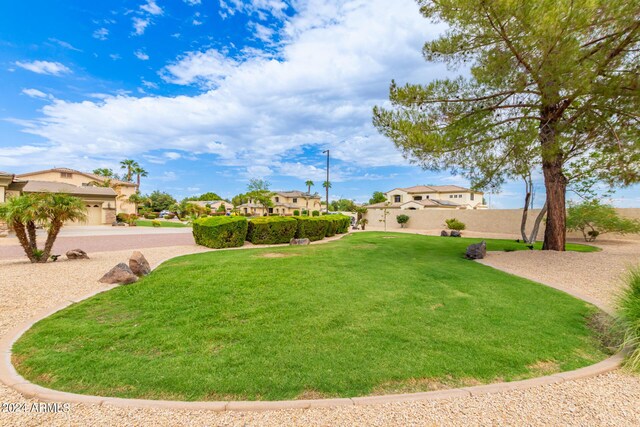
(61, 187)
(434, 189)
(87, 174)
(296, 193)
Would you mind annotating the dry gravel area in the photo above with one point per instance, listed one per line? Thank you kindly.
(612, 399)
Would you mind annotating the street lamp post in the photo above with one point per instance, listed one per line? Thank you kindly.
(327, 183)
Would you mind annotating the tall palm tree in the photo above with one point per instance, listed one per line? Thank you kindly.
(129, 165)
(309, 184)
(327, 185)
(139, 171)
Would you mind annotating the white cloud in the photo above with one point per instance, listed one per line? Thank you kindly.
(261, 32)
(152, 8)
(101, 34)
(261, 8)
(193, 2)
(44, 67)
(197, 22)
(141, 55)
(140, 25)
(335, 62)
(148, 84)
(64, 44)
(35, 93)
(115, 56)
(172, 155)
(204, 68)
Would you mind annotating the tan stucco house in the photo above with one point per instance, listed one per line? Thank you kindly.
(214, 205)
(284, 203)
(431, 197)
(88, 184)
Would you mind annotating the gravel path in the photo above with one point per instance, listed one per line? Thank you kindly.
(609, 400)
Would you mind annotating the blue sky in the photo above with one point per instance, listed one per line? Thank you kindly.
(206, 94)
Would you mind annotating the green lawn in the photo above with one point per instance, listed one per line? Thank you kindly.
(371, 313)
(147, 223)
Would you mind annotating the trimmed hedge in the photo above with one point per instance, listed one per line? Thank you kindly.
(220, 231)
(340, 224)
(312, 228)
(270, 230)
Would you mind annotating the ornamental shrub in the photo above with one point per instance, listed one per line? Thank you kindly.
(315, 213)
(122, 217)
(296, 212)
(271, 230)
(220, 231)
(454, 224)
(311, 228)
(151, 215)
(628, 318)
(338, 224)
(156, 223)
(169, 216)
(593, 219)
(402, 220)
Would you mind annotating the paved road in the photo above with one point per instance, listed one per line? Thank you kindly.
(104, 243)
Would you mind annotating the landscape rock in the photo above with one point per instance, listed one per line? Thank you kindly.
(477, 250)
(455, 233)
(139, 264)
(77, 254)
(444, 233)
(300, 241)
(121, 273)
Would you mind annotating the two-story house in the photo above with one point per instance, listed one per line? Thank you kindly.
(284, 203)
(432, 197)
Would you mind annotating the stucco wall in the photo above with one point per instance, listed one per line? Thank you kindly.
(506, 221)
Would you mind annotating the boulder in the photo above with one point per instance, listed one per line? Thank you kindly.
(77, 254)
(477, 250)
(299, 242)
(455, 233)
(444, 233)
(121, 273)
(139, 264)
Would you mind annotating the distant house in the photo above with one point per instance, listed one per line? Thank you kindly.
(89, 186)
(284, 203)
(432, 197)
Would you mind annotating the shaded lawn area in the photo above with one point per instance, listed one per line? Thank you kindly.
(371, 313)
(170, 224)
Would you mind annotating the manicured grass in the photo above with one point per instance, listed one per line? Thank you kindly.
(170, 224)
(370, 313)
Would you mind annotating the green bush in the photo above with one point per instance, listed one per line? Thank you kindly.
(122, 217)
(151, 215)
(305, 212)
(169, 216)
(454, 224)
(593, 219)
(402, 220)
(315, 213)
(156, 223)
(220, 231)
(338, 224)
(270, 230)
(296, 212)
(311, 228)
(628, 316)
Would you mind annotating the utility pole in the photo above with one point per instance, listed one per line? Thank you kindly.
(327, 186)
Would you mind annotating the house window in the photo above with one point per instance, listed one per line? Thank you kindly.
(397, 199)
(417, 197)
(295, 200)
(451, 196)
(472, 196)
(426, 197)
(277, 199)
(65, 175)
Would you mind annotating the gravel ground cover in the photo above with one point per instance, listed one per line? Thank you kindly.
(612, 399)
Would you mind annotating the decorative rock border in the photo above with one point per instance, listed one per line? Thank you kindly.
(10, 377)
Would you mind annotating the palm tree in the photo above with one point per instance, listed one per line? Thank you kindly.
(327, 185)
(129, 165)
(51, 210)
(309, 184)
(139, 171)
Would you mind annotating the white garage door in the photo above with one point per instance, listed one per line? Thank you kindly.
(94, 214)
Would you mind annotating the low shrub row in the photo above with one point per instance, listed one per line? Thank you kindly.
(226, 232)
(220, 231)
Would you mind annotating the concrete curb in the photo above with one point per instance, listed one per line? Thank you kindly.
(10, 377)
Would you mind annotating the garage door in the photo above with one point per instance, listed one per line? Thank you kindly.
(94, 215)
